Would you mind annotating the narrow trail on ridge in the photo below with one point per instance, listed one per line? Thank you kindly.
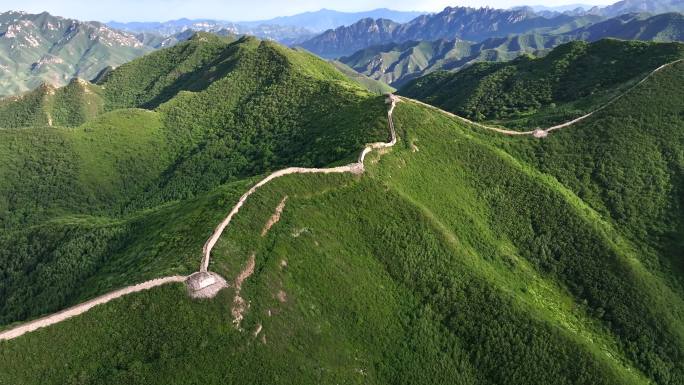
(354, 168)
(543, 132)
(85, 306)
(203, 274)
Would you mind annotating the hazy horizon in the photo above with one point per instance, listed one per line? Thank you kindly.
(164, 10)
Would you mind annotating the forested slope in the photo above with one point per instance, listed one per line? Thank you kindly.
(527, 92)
(73, 201)
(458, 257)
(627, 163)
(67, 106)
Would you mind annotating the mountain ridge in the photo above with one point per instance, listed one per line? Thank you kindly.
(461, 23)
(314, 21)
(37, 48)
(638, 6)
(397, 64)
(459, 256)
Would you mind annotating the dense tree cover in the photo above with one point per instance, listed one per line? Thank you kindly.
(75, 104)
(155, 78)
(528, 92)
(69, 106)
(47, 171)
(627, 164)
(473, 280)
(563, 239)
(267, 113)
(267, 107)
(24, 110)
(37, 171)
(376, 292)
(458, 257)
(297, 111)
(501, 341)
(44, 267)
(47, 267)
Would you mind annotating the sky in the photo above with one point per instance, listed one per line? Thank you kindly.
(162, 10)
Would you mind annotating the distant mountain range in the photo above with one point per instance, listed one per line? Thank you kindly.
(397, 63)
(460, 23)
(285, 34)
(325, 19)
(287, 29)
(616, 9)
(43, 48)
(560, 8)
(385, 45)
(663, 27)
(637, 6)
(464, 23)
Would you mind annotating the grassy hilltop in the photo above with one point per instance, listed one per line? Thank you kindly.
(459, 257)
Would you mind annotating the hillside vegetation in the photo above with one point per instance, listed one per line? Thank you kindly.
(399, 63)
(458, 257)
(537, 92)
(90, 203)
(68, 106)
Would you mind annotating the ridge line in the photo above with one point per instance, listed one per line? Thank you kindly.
(70, 312)
(539, 132)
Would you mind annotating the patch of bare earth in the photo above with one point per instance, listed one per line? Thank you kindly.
(239, 303)
(275, 217)
(282, 296)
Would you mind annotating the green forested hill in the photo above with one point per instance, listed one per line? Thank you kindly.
(535, 92)
(398, 63)
(71, 105)
(458, 257)
(91, 201)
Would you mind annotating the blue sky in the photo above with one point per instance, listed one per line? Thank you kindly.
(161, 10)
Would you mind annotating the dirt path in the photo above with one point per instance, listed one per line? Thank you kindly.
(239, 303)
(275, 218)
(542, 133)
(84, 307)
(354, 168)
